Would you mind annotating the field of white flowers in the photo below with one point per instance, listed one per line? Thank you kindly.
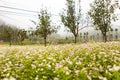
(92, 61)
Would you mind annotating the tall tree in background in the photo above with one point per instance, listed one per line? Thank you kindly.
(31, 34)
(87, 34)
(9, 32)
(81, 36)
(22, 34)
(116, 35)
(71, 17)
(44, 27)
(102, 13)
(98, 36)
(111, 34)
(84, 35)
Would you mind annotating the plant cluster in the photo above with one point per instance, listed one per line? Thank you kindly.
(96, 61)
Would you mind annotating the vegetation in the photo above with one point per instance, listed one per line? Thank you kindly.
(96, 61)
(12, 34)
(62, 59)
(44, 27)
(22, 35)
(7, 32)
(102, 13)
(70, 20)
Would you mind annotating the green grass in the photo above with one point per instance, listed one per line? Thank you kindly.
(92, 61)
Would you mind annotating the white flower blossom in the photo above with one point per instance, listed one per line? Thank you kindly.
(56, 78)
(33, 66)
(77, 71)
(12, 78)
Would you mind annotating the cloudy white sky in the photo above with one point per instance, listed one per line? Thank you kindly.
(23, 20)
(53, 6)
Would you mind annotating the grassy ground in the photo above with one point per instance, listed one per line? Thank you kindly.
(92, 61)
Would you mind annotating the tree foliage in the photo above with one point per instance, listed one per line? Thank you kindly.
(7, 32)
(22, 34)
(12, 34)
(71, 17)
(102, 13)
(44, 27)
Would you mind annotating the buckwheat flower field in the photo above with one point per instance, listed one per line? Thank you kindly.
(92, 61)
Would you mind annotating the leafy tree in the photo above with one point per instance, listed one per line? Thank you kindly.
(31, 33)
(44, 27)
(98, 36)
(22, 34)
(116, 36)
(102, 13)
(1, 32)
(111, 35)
(8, 31)
(87, 34)
(71, 19)
(81, 36)
(12, 34)
(84, 35)
(90, 37)
(93, 37)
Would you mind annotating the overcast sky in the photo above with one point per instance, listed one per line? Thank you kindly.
(23, 20)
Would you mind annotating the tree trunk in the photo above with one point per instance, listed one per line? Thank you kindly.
(21, 42)
(104, 37)
(10, 42)
(45, 41)
(75, 39)
(116, 36)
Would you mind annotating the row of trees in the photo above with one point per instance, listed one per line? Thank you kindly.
(102, 13)
(111, 35)
(71, 18)
(12, 34)
(17, 36)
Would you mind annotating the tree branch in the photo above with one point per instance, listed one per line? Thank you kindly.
(82, 28)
